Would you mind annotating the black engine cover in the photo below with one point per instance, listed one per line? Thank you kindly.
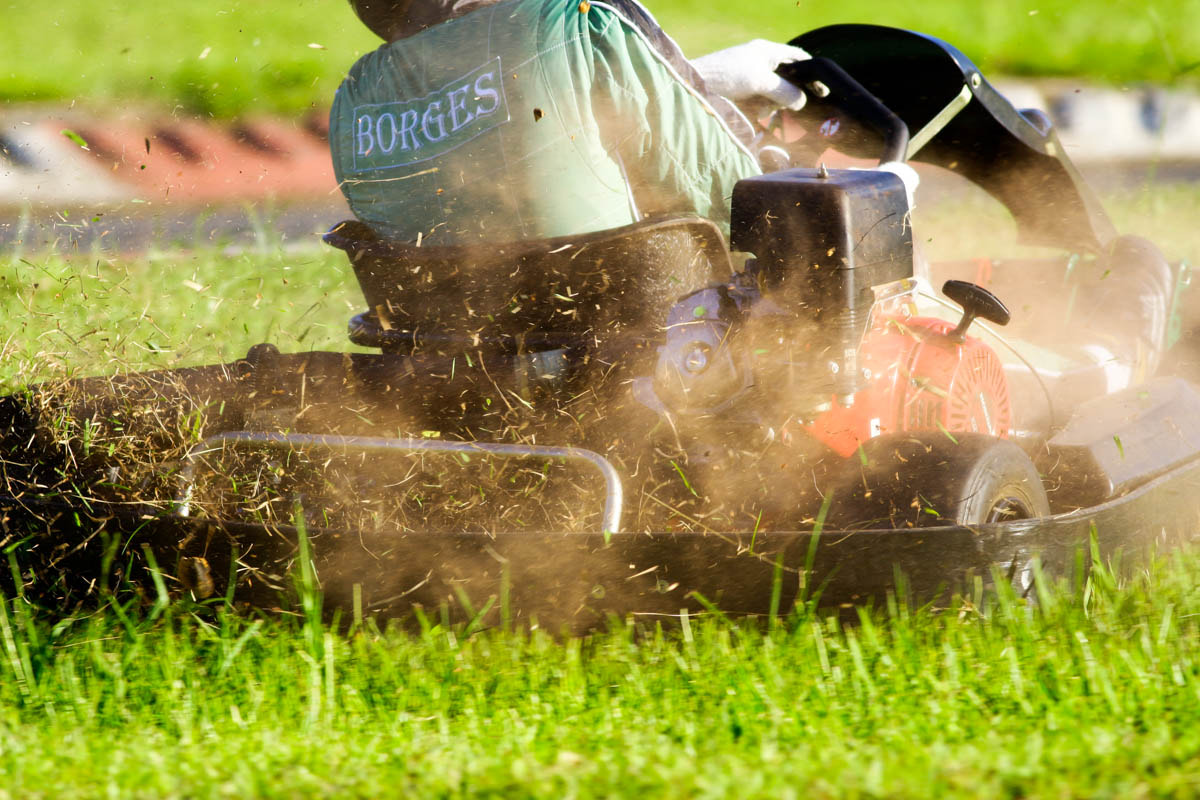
(824, 237)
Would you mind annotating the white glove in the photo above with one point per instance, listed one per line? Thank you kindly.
(748, 70)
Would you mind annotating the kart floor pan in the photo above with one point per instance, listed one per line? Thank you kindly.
(579, 580)
(67, 551)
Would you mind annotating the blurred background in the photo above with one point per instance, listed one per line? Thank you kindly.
(234, 57)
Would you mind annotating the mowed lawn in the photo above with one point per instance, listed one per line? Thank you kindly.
(241, 57)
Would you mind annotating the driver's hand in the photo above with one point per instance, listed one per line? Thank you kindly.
(748, 71)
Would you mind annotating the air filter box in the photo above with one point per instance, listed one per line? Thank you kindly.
(824, 237)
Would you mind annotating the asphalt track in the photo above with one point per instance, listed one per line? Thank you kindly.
(269, 224)
(265, 226)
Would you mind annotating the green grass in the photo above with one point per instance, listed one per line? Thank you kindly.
(1093, 693)
(223, 58)
(239, 57)
(102, 314)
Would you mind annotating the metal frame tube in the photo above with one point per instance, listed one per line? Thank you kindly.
(614, 493)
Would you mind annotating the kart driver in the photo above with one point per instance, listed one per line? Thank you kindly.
(498, 120)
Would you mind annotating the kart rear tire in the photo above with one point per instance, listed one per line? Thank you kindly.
(929, 479)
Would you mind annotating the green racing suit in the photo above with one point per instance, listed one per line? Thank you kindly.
(529, 119)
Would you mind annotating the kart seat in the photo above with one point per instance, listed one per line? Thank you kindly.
(527, 296)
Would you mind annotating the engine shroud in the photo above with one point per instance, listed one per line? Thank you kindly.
(920, 379)
(824, 239)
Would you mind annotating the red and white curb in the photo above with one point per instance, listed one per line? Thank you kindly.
(53, 158)
(48, 158)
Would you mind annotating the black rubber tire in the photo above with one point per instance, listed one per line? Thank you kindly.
(929, 479)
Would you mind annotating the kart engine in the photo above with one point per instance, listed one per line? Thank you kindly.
(820, 329)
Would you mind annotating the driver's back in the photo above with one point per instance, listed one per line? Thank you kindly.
(528, 119)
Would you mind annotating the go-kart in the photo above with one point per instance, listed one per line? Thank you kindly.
(655, 418)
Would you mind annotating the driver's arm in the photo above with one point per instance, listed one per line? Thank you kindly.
(678, 153)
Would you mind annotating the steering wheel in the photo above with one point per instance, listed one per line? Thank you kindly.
(840, 113)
